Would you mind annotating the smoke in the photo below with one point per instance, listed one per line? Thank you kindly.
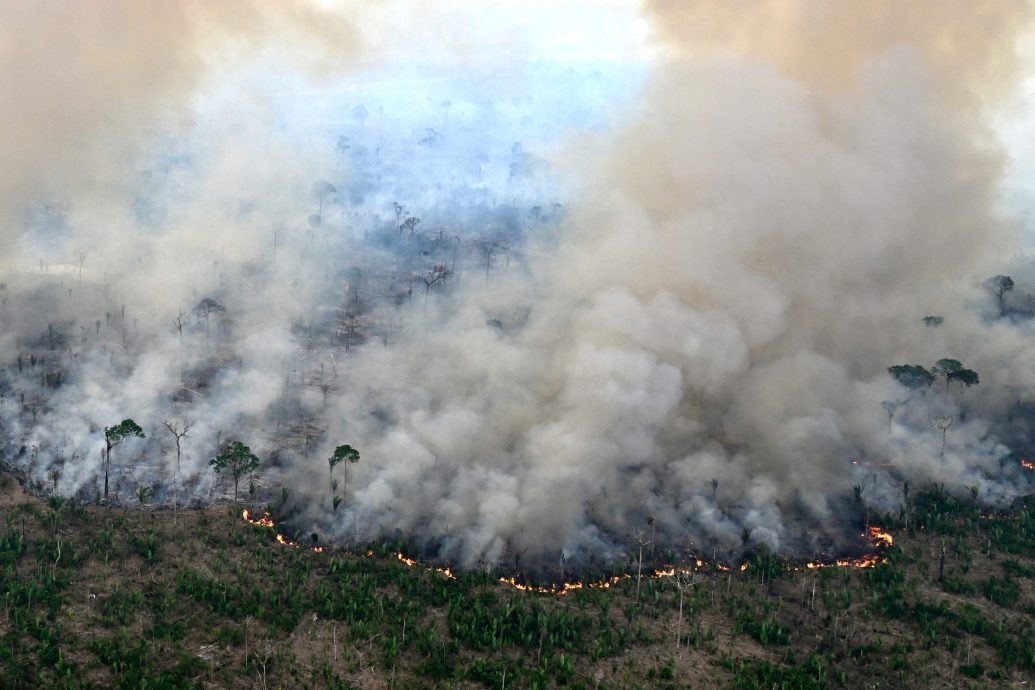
(90, 84)
(697, 347)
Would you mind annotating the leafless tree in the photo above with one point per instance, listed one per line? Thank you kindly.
(436, 274)
(942, 424)
(684, 580)
(81, 258)
(642, 540)
(490, 245)
(180, 431)
(399, 211)
(178, 323)
(890, 406)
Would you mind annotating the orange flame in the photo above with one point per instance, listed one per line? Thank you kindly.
(267, 521)
(1027, 464)
(880, 537)
(864, 562)
(264, 521)
(877, 535)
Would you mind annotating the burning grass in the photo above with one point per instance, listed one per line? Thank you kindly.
(878, 538)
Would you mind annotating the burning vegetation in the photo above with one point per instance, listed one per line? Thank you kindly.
(877, 538)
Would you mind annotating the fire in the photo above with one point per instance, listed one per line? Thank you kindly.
(877, 535)
(880, 537)
(264, 521)
(563, 588)
(864, 562)
(267, 521)
(448, 572)
(1027, 464)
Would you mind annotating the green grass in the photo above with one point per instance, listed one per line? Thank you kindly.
(118, 598)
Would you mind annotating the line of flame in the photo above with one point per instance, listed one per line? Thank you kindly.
(879, 538)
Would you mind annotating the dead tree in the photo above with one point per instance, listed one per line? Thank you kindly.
(178, 323)
(179, 431)
(642, 540)
(942, 424)
(684, 580)
(438, 273)
(490, 246)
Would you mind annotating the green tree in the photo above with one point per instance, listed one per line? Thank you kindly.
(911, 376)
(346, 454)
(239, 460)
(113, 436)
(944, 367)
(965, 377)
(999, 286)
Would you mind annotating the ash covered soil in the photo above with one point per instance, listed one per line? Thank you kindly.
(117, 597)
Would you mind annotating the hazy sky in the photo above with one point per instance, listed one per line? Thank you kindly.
(507, 35)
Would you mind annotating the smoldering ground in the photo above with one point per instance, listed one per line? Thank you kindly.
(698, 342)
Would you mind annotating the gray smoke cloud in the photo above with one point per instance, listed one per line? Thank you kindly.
(700, 340)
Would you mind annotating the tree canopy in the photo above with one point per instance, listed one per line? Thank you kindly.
(236, 457)
(239, 460)
(911, 376)
(123, 430)
(343, 453)
(965, 377)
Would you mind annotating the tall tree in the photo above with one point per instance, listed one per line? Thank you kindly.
(944, 367)
(999, 286)
(942, 424)
(436, 274)
(178, 323)
(890, 406)
(322, 190)
(113, 436)
(179, 431)
(348, 455)
(399, 211)
(239, 460)
(206, 308)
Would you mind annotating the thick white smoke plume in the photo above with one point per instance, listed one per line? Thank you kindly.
(696, 346)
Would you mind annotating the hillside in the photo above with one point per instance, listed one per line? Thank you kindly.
(97, 597)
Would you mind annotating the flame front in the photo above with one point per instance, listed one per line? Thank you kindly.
(878, 536)
(267, 521)
(1027, 464)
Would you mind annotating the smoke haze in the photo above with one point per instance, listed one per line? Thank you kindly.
(673, 304)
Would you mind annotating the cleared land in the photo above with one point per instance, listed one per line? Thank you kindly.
(121, 598)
